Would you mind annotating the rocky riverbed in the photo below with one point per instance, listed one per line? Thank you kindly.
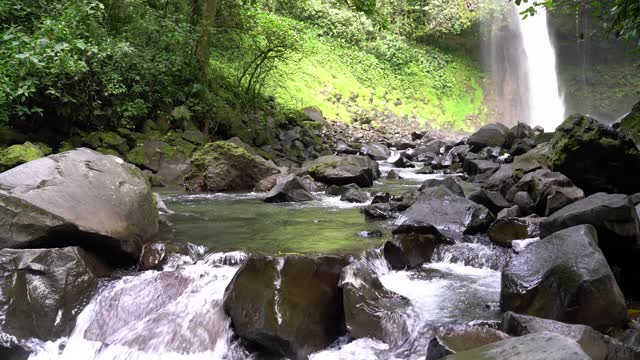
(506, 244)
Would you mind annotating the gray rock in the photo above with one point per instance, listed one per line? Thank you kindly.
(503, 231)
(288, 188)
(343, 170)
(393, 175)
(564, 277)
(376, 151)
(549, 191)
(79, 197)
(538, 346)
(492, 200)
(513, 211)
(355, 196)
(449, 182)
(490, 135)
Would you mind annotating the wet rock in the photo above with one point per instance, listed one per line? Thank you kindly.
(42, 290)
(160, 205)
(595, 157)
(490, 135)
(437, 350)
(630, 124)
(79, 197)
(381, 197)
(344, 148)
(451, 214)
(342, 170)
(427, 170)
(549, 191)
(266, 184)
(224, 166)
(291, 305)
(417, 135)
(476, 167)
(594, 344)
(522, 146)
(503, 231)
(156, 255)
(492, 200)
(449, 183)
(458, 153)
(400, 162)
(522, 131)
(379, 211)
(355, 196)
(13, 353)
(538, 346)
(288, 188)
(412, 246)
(451, 340)
(393, 175)
(616, 220)
(564, 277)
(509, 174)
(376, 151)
(371, 234)
(404, 201)
(370, 309)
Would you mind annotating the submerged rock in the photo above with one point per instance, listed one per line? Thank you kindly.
(79, 197)
(343, 170)
(595, 156)
(566, 278)
(224, 166)
(370, 309)
(288, 188)
(291, 305)
(42, 290)
(539, 346)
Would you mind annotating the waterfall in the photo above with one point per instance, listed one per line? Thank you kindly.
(545, 102)
(522, 63)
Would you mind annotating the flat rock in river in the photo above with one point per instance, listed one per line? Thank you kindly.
(343, 170)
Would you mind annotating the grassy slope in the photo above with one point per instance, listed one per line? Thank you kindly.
(328, 68)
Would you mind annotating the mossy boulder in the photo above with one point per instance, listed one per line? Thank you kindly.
(596, 157)
(343, 170)
(19, 154)
(9, 136)
(108, 142)
(170, 163)
(630, 124)
(225, 166)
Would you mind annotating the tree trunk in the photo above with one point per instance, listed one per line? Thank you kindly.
(207, 16)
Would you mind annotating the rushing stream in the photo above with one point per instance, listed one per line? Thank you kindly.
(177, 313)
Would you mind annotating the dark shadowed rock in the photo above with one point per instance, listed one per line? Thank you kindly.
(311, 185)
(370, 309)
(225, 166)
(427, 170)
(492, 200)
(595, 156)
(79, 197)
(355, 196)
(513, 211)
(522, 131)
(550, 191)
(564, 277)
(266, 184)
(400, 162)
(378, 211)
(450, 183)
(595, 344)
(490, 135)
(509, 174)
(451, 214)
(451, 340)
(291, 305)
(413, 245)
(503, 231)
(477, 167)
(288, 188)
(42, 290)
(616, 220)
(343, 170)
(381, 198)
(393, 175)
(539, 346)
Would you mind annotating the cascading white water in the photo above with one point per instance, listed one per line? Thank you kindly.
(546, 104)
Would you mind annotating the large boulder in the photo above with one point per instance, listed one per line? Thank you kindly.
(538, 346)
(492, 200)
(616, 220)
(549, 191)
(595, 344)
(509, 174)
(451, 214)
(42, 290)
(595, 156)
(489, 136)
(343, 170)
(79, 197)
(170, 163)
(477, 167)
(19, 154)
(288, 188)
(448, 182)
(413, 245)
(451, 340)
(507, 229)
(224, 166)
(564, 277)
(370, 309)
(291, 305)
